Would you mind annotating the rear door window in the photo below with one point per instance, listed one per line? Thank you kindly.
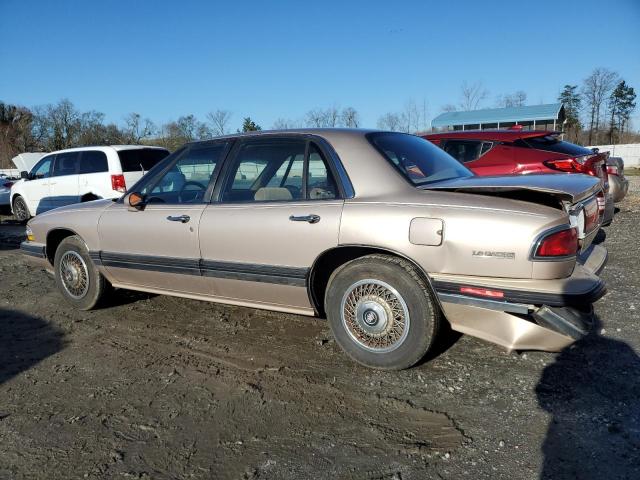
(464, 150)
(66, 164)
(141, 159)
(320, 182)
(93, 161)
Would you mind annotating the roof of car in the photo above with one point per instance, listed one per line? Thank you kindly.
(494, 135)
(105, 147)
(327, 133)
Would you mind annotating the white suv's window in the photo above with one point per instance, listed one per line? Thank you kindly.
(94, 161)
(43, 168)
(66, 164)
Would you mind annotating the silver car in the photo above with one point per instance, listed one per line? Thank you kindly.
(618, 183)
(383, 233)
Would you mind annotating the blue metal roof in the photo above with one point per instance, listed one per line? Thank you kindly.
(548, 111)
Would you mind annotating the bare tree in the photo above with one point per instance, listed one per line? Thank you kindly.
(350, 117)
(285, 124)
(315, 118)
(219, 121)
(595, 90)
(449, 107)
(137, 128)
(332, 115)
(472, 95)
(390, 121)
(516, 99)
(323, 118)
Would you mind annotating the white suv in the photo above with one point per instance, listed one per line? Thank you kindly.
(80, 175)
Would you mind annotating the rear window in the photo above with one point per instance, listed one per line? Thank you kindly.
(141, 159)
(551, 143)
(417, 159)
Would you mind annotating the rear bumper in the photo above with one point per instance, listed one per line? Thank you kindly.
(531, 314)
(618, 187)
(609, 210)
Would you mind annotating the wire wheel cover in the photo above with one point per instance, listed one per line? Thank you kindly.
(375, 315)
(74, 274)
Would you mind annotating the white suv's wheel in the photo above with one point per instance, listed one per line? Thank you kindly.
(20, 209)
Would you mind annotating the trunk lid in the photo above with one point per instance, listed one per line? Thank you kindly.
(568, 187)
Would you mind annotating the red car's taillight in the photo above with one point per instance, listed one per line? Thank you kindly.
(562, 243)
(588, 164)
(118, 184)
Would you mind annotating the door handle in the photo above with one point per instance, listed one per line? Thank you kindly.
(179, 218)
(305, 218)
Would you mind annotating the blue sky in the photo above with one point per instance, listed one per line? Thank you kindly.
(277, 59)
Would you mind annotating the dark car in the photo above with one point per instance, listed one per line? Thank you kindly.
(514, 151)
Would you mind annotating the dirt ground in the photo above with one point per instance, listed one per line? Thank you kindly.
(157, 387)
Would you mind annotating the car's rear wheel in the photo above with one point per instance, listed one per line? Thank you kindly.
(77, 278)
(382, 312)
(20, 209)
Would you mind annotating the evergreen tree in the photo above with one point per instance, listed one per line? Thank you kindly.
(572, 101)
(249, 125)
(621, 103)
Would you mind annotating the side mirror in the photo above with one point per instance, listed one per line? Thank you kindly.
(135, 200)
(24, 175)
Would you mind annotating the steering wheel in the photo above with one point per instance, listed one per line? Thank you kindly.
(190, 182)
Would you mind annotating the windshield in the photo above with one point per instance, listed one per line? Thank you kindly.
(417, 159)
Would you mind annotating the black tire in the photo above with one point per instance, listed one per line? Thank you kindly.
(78, 266)
(21, 210)
(393, 285)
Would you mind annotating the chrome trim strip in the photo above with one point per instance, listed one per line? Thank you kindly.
(250, 272)
(483, 303)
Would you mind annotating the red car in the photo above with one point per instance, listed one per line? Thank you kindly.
(504, 152)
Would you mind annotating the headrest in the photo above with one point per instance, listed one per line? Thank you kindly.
(272, 193)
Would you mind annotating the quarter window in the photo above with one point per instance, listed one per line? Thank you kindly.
(66, 164)
(93, 161)
(188, 178)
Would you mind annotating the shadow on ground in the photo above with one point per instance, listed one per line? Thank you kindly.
(25, 340)
(592, 391)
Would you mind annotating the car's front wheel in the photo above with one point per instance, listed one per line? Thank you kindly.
(20, 209)
(382, 312)
(77, 278)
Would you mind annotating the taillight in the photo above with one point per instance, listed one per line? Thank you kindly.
(612, 170)
(585, 164)
(561, 243)
(118, 184)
